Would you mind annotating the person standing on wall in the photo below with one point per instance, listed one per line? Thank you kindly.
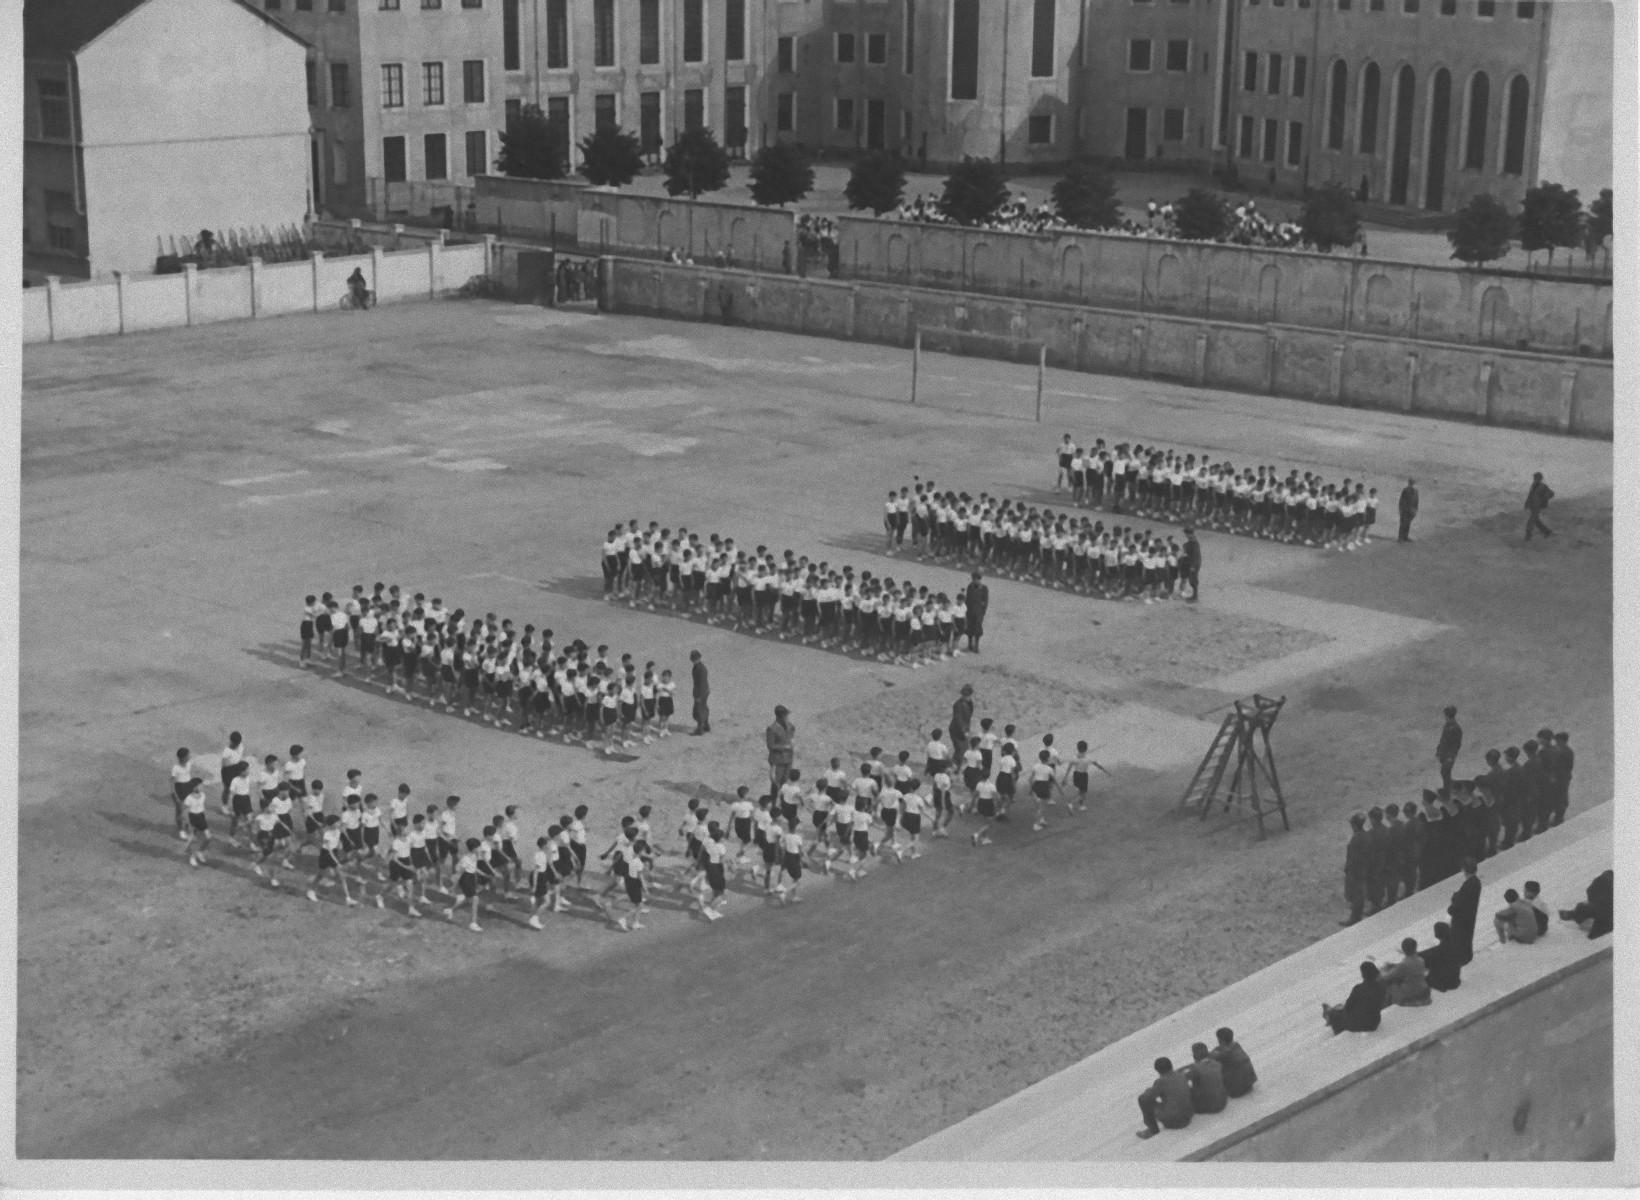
(1409, 510)
(703, 690)
(1537, 499)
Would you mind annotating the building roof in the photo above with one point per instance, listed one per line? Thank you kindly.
(61, 27)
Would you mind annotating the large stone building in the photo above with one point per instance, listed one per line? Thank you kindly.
(133, 136)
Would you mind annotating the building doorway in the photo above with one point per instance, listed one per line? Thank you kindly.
(1138, 133)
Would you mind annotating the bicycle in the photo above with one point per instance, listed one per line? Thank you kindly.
(349, 300)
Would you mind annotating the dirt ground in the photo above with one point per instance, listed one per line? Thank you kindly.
(182, 491)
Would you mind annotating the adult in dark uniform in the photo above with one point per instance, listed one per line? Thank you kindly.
(702, 691)
(778, 738)
(962, 720)
(1511, 801)
(1446, 750)
(1492, 783)
(1409, 510)
(1411, 849)
(1564, 758)
(1392, 857)
(1356, 855)
(1190, 563)
(1465, 904)
(1432, 865)
(978, 598)
(1379, 840)
(1534, 811)
(1486, 809)
(1537, 499)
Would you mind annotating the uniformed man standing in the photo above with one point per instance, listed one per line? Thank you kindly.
(1394, 847)
(978, 598)
(1356, 854)
(1514, 792)
(1446, 750)
(1438, 842)
(962, 720)
(1412, 847)
(1537, 499)
(1564, 759)
(1378, 858)
(1534, 809)
(1409, 509)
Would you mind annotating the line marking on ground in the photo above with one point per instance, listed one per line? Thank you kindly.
(375, 452)
(284, 496)
(250, 479)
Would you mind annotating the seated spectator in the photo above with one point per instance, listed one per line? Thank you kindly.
(1167, 1101)
(1515, 921)
(1594, 914)
(1407, 982)
(1442, 965)
(1362, 1009)
(1239, 1076)
(1539, 906)
(1207, 1094)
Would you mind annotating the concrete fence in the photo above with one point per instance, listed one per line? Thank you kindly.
(132, 303)
(1506, 310)
(1571, 395)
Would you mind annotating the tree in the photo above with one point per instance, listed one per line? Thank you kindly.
(1598, 227)
(974, 191)
(877, 182)
(611, 157)
(1201, 215)
(695, 164)
(1086, 196)
(1550, 216)
(1482, 232)
(531, 147)
(1329, 218)
(781, 174)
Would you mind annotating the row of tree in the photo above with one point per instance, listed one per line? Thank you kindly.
(1551, 218)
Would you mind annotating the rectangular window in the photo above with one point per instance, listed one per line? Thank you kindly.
(910, 37)
(1042, 38)
(1249, 72)
(393, 159)
(1272, 83)
(433, 155)
(304, 5)
(785, 111)
(965, 49)
(1525, 9)
(1301, 74)
(557, 35)
(1449, 8)
(1172, 124)
(603, 33)
(1139, 54)
(432, 4)
(432, 84)
(340, 92)
(54, 118)
(338, 6)
(472, 3)
(515, 109)
(734, 117)
(478, 152)
(1344, 5)
(1244, 138)
(1485, 8)
(61, 237)
(1039, 129)
(270, 5)
(649, 32)
(472, 81)
(392, 85)
(845, 113)
(783, 55)
(1409, 6)
(876, 48)
(558, 117)
(385, 5)
(694, 108)
(312, 83)
(649, 122)
(1295, 143)
(1375, 5)
(603, 111)
(734, 30)
(1178, 54)
(845, 48)
(1272, 136)
(694, 30)
(510, 58)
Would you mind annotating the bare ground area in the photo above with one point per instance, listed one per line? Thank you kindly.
(181, 491)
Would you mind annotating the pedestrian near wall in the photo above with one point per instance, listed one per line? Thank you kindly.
(1537, 499)
(1409, 510)
(702, 691)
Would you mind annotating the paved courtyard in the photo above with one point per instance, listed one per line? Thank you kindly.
(182, 491)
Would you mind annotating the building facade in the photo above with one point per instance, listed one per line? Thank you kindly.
(132, 137)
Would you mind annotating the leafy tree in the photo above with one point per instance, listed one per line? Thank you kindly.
(1598, 227)
(1482, 231)
(1329, 218)
(695, 164)
(1201, 215)
(611, 157)
(531, 147)
(877, 182)
(1086, 196)
(1550, 216)
(781, 174)
(974, 191)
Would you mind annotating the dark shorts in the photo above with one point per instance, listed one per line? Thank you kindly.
(1041, 788)
(792, 864)
(419, 858)
(634, 889)
(242, 805)
(1079, 780)
(197, 821)
(911, 823)
(327, 861)
(819, 819)
(372, 836)
(986, 806)
(338, 637)
(862, 838)
(743, 829)
(469, 885)
(543, 882)
(399, 872)
(771, 854)
(889, 817)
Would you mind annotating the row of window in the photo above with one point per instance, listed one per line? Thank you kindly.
(1176, 54)
(606, 114)
(1270, 146)
(1273, 73)
(435, 155)
(1475, 119)
(432, 84)
(1526, 10)
(340, 6)
(607, 32)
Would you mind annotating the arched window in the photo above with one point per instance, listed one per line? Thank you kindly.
(1367, 141)
(1514, 137)
(1474, 145)
(1335, 105)
(1400, 135)
(1440, 117)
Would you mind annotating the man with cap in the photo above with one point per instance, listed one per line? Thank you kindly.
(1485, 805)
(1395, 849)
(1190, 563)
(1432, 865)
(1409, 509)
(1563, 777)
(962, 719)
(778, 737)
(702, 691)
(1446, 750)
(978, 598)
(1534, 813)
(1512, 795)
(1356, 855)
(1537, 499)
(1411, 849)
(1379, 841)
(1466, 902)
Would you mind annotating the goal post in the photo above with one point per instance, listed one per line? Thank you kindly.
(936, 339)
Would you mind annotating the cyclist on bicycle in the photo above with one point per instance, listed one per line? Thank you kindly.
(356, 285)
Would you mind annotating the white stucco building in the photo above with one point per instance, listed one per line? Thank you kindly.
(149, 119)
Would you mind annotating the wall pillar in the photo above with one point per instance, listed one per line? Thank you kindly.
(1272, 351)
(398, 236)
(1335, 384)
(1409, 401)
(435, 265)
(318, 270)
(704, 309)
(1483, 391)
(119, 296)
(854, 314)
(1136, 349)
(1568, 395)
(190, 273)
(1079, 331)
(256, 288)
(54, 285)
(1201, 358)
(376, 253)
(489, 255)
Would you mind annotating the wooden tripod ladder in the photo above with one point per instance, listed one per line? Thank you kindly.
(1244, 733)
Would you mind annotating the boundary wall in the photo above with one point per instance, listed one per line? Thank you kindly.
(132, 303)
(1397, 373)
(1235, 283)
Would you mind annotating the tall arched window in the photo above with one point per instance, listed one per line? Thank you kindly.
(1474, 144)
(1335, 105)
(1400, 135)
(1367, 141)
(1440, 109)
(1514, 136)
